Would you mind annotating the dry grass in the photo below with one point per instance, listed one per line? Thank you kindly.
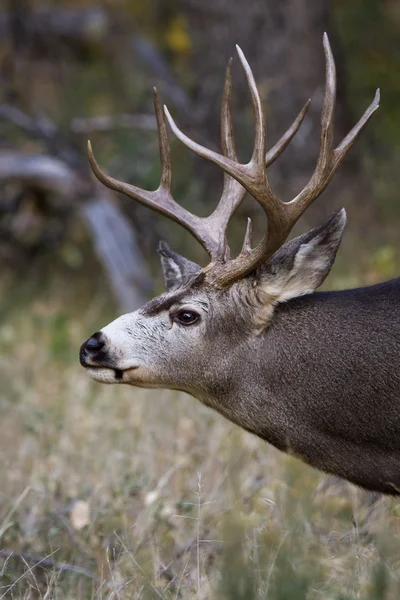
(111, 492)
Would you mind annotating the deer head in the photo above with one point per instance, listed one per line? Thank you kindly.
(205, 331)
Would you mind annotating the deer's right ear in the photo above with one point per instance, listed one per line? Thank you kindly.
(176, 268)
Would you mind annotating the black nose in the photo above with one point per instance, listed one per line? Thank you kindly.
(95, 343)
(89, 352)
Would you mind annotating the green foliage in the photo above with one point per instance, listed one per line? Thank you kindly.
(59, 341)
(238, 581)
(369, 33)
(379, 583)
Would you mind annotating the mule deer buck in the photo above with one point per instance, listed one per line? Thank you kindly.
(315, 374)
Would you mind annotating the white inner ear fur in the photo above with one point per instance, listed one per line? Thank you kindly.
(310, 266)
(174, 271)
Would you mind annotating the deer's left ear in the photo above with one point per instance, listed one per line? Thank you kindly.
(176, 268)
(300, 266)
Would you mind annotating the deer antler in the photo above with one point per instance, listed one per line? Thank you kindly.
(252, 177)
(209, 231)
(281, 216)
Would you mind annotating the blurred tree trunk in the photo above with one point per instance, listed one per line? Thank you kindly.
(283, 43)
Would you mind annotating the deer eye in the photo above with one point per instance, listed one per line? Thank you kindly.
(186, 317)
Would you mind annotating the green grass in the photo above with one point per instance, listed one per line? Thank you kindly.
(151, 494)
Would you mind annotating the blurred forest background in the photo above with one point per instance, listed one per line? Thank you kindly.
(120, 493)
(73, 70)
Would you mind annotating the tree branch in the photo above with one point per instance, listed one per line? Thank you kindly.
(45, 172)
(113, 236)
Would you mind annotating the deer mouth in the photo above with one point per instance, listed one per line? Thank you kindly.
(107, 374)
(99, 368)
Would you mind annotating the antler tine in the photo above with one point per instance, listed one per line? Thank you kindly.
(287, 137)
(346, 144)
(246, 248)
(230, 166)
(161, 200)
(165, 148)
(260, 137)
(233, 192)
(227, 139)
(319, 179)
(329, 158)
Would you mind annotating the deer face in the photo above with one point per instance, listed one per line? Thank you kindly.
(188, 338)
(169, 341)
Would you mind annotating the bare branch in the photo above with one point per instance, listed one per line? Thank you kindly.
(46, 172)
(43, 128)
(18, 118)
